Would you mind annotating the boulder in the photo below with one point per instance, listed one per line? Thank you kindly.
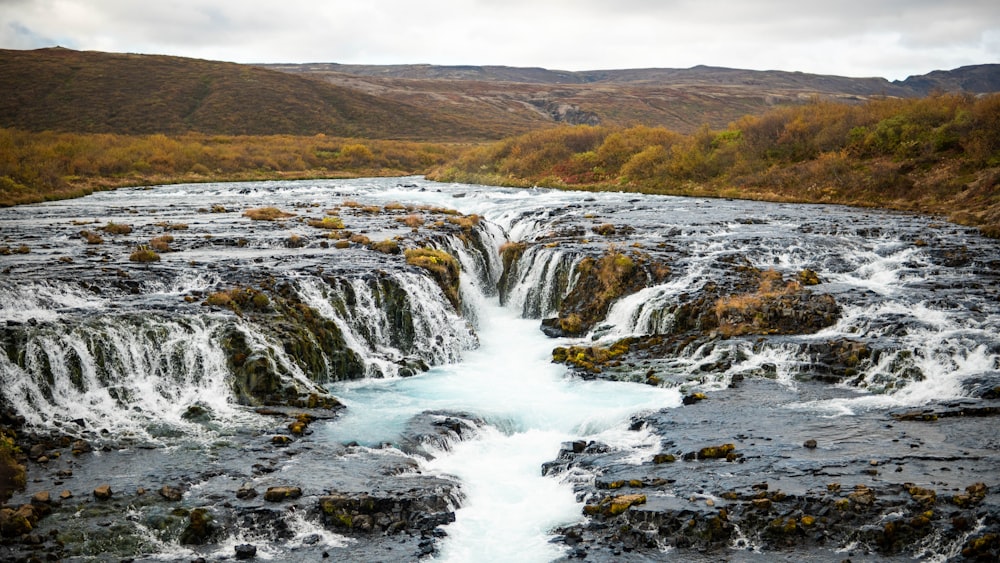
(199, 529)
(103, 492)
(245, 551)
(172, 494)
(17, 522)
(278, 494)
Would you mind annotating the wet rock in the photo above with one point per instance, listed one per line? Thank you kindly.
(172, 494)
(717, 452)
(614, 505)
(246, 491)
(982, 548)
(81, 447)
(810, 444)
(693, 398)
(200, 528)
(281, 440)
(41, 497)
(435, 430)
(602, 280)
(37, 451)
(197, 413)
(388, 513)
(103, 492)
(16, 522)
(245, 551)
(279, 494)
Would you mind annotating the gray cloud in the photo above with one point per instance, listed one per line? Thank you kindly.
(891, 38)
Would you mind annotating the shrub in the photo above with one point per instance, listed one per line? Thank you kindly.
(161, 243)
(607, 229)
(91, 237)
(387, 246)
(465, 221)
(267, 214)
(144, 254)
(413, 221)
(117, 228)
(329, 222)
(238, 299)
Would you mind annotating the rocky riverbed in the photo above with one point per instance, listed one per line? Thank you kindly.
(805, 383)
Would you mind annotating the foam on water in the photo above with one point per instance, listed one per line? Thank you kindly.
(530, 407)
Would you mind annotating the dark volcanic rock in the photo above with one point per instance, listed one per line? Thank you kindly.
(387, 513)
(839, 492)
(200, 528)
(245, 551)
(437, 429)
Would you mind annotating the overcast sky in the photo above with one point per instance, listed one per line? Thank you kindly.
(888, 38)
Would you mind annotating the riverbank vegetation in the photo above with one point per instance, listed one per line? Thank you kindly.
(939, 154)
(47, 165)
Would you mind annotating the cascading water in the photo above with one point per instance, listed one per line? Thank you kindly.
(98, 346)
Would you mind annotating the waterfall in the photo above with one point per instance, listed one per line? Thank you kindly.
(391, 321)
(125, 374)
(543, 276)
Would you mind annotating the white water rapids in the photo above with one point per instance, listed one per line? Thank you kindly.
(530, 406)
(118, 369)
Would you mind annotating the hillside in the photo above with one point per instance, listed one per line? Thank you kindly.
(92, 92)
(678, 99)
(64, 90)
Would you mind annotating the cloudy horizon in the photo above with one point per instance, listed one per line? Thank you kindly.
(892, 39)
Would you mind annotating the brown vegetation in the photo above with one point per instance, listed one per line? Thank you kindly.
(267, 214)
(44, 166)
(939, 154)
(329, 222)
(144, 254)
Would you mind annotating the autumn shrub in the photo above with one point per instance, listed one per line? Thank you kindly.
(387, 246)
(6, 250)
(239, 299)
(465, 221)
(113, 228)
(267, 214)
(91, 237)
(329, 222)
(161, 243)
(413, 221)
(606, 229)
(144, 254)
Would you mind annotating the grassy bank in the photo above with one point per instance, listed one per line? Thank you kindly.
(45, 166)
(939, 154)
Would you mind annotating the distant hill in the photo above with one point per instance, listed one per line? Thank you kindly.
(976, 79)
(680, 99)
(64, 90)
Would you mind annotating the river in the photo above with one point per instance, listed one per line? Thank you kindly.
(125, 356)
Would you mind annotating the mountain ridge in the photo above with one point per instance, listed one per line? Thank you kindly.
(94, 92)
